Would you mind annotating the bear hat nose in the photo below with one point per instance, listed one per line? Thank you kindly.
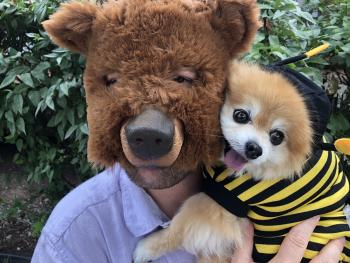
(150, 135)
(253, 150)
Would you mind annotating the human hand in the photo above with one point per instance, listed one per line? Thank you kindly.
(293, 246)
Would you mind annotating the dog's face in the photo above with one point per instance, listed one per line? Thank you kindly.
(154, 79)
(266, 123)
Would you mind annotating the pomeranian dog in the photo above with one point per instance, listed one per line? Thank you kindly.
(273, 181)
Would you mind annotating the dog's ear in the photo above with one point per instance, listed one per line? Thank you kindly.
(237, 21)
(71, 26)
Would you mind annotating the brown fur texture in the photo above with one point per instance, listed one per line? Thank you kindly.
(145, 43)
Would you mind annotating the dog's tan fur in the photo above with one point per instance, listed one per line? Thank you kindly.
(202, 226)
(278, 99)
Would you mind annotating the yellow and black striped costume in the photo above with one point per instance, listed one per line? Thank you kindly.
(276, 206)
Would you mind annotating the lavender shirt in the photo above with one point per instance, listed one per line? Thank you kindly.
(101, 221)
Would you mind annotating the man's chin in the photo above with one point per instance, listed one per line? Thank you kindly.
(155, 177)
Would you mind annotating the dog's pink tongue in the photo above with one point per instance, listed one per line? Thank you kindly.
(234, 160)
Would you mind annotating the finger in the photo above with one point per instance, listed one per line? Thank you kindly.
(294, 244)
(331, 252)
(244, 254)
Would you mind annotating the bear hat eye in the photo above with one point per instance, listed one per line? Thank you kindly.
(110, 79)
(241, 116)
(185, 76)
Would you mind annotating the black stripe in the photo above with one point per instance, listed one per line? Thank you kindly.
(314, 246)
(305, 260)
(273, 189)
(228, 179)
(267, 213)
(333, 190)
(294, 218)
(244, 187)
(268, 240)
(300, 192)
(333, 218)
(332, 229)
(346, 251)
(261, 257)
(225, 198)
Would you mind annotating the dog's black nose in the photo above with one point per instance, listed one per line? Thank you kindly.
(150, 134)
(253, 150)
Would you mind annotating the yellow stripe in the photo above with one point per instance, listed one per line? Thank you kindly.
(298, 184)
(305, 179)
(227, 172)
(237, 181)
(210, 171)
(273, 227)
(256, 189)
(267, 248)
(273, 249)
(309, 254)
(310, 207)
(317, 50)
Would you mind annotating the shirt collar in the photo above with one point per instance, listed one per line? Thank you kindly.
(141, 213)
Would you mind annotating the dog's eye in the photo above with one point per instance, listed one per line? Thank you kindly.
(276, 137)
(241, 116)
(110, 80)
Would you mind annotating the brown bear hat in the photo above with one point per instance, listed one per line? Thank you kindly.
(155, 77)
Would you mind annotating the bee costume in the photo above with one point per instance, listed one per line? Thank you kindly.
(275, 206)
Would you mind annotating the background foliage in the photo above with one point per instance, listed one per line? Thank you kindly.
(42, 106)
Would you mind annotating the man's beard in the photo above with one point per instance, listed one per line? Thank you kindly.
(156, 178)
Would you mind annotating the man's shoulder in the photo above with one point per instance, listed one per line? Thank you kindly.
(100, 192)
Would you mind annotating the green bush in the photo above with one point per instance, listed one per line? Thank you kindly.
(42, 106)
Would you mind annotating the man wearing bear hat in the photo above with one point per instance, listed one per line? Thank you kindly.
(154, 81)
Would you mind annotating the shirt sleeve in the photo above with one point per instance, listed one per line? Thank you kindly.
(82, 241)
(46, 252)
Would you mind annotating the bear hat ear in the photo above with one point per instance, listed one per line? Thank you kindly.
(71, 26)
(237, 21)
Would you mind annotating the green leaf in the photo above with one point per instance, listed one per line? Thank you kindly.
(7, 81)
(84, 129)
(34, 97)
(37, 72)
(18, 103)
(38, 107)
(20, 125)
(278, 14)
(27, 79)
(51, 55)
(18, 70)
(49, 102)
(70, 131)
(19, 144)
(9, 116)
(60, 130)
(70, 116)
(64, 88)
(346, 48)
(274, 41)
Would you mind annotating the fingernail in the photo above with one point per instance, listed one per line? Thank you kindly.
(341, 241)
